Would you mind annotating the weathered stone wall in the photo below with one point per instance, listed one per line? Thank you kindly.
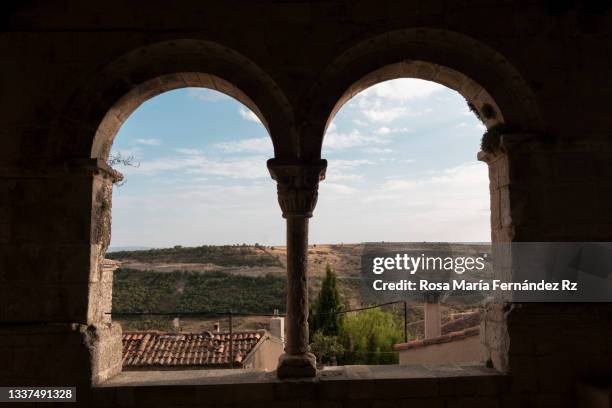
(545, 190)
(55, 292)
(65, 67)
(57, 354)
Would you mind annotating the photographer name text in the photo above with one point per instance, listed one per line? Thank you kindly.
(495, 285)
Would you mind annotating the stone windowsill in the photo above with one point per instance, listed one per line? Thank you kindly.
(236, 376)
(350, 383)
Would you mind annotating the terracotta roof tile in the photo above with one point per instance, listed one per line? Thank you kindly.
(467, 320)
(160, 349)
(464, 322)
(445, 338)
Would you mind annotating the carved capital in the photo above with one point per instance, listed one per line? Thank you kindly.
(298, 185)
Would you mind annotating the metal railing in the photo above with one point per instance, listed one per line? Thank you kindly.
(230, 314)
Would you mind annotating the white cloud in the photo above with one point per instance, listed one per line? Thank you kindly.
(248, 114)
(339, 141)
(208, 95)
(385, 115)
(379, 197)
(470, 173)
(454, 186)
(391, 100)
(195, 163)
(342, 170)
(385, 130)
(190, 152)
(447, 205)
(338, 176)
(196, 213)
(377, 150)
(335, 188)
(399, 184)
(257, 145)
(466, 174)
(403, 89)
(148, 142)
(348, 164)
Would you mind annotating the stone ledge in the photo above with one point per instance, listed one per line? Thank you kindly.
(374, 374)
(335, 385)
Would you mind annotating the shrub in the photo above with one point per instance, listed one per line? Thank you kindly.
(328, 349)
(368, 337)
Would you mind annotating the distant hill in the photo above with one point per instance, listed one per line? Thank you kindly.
(247, 278)
(126, 248)
(225, 255)
(260, 261)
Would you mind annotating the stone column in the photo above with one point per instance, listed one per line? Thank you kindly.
(54, 284)
(298, 185)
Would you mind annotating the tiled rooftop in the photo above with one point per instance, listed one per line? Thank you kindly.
(445, 338)
(461, 328)
(150, 349)
(464, 322)
(469, 319)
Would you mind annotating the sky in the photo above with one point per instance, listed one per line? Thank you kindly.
(401, 167)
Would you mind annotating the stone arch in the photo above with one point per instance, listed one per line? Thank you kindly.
(475, 70)
(97, 111)
(83, 135)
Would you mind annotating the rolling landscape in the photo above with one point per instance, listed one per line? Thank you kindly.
(247, 279)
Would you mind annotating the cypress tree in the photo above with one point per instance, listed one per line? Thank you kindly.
(325, 317)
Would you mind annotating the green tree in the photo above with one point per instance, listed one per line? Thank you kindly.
(324, 314)
(368, 337)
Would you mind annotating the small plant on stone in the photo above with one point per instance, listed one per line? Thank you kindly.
(117, 159)
(492, 137)
(105, 205)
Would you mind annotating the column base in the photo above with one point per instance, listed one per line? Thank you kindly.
(297, 365)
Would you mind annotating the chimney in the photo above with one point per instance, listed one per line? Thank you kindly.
(277, 326)
(216, 327)
(432, 314)
(176, 323)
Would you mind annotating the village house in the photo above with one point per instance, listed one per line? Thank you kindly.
(457, 341)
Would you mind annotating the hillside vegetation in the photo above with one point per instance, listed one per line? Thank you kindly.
(224, 255)
(252, 279)
(183, 291)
